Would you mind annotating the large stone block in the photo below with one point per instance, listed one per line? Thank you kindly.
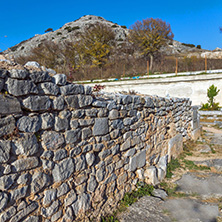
(25, 164)
(137, 161)
(72, 89)
(9, 105)
(20, 87)
(29, 124)
(48, 88)
(59, 79)
(63, 170)
(85, 100)
(37, 103)
(18, 73)
(38, 77)
(27, 145)
(101, 127)
(72, 101)
(175, 146)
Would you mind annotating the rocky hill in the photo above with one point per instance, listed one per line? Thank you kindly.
(70, 32)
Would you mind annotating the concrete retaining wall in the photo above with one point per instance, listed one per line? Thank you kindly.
(193, 87)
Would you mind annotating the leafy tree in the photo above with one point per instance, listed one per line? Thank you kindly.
(149, 35)
(97, 42)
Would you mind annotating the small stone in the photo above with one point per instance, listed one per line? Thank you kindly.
(98, 103)
(49, 196)
(137, 161)
(60, 154)
(56, 216)
(72, 89)
(86, 122)
(92, 184)
(61, 124)
(7, 214)
(101, 127)
(126, 145)
(78, 113)
(72, 101)
(84, 100)
(90, 158)
(22, 205)
(47, 121)
(63, 170)
(18, 193)
(88, 90)
(5, 148)
(70, 198)
(9, 105)
(39, 181)
(72, 136)
(52, 140)
(3, 201)
(47, 154)
(7, 181)
(29, 124)
(74, 124)
(62, 190)
(75, 151)
(33, 64)
(86, 133)
(49, 211)
(80, 163)
(58, 103)
(7, 125)
(59, 79)
(160, 194)
(114, 114)
(23, 179)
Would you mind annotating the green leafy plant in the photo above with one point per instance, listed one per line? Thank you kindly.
(211, 93)
(142, 190)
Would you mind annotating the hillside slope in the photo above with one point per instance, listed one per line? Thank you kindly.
(70, 32)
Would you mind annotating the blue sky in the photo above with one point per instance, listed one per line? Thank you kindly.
(192, 21)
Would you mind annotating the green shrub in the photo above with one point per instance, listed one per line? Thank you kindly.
(199, 46)
(49, 30)
(114, 26)
(142, 190)
(188, 45)
(59, 33)
(123, 26)
(211, 93)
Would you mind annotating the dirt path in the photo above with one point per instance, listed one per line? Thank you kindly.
(194, 190)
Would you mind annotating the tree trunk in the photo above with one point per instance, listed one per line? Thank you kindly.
(151, 63)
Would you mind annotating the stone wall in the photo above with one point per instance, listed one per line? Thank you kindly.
(67, 154)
